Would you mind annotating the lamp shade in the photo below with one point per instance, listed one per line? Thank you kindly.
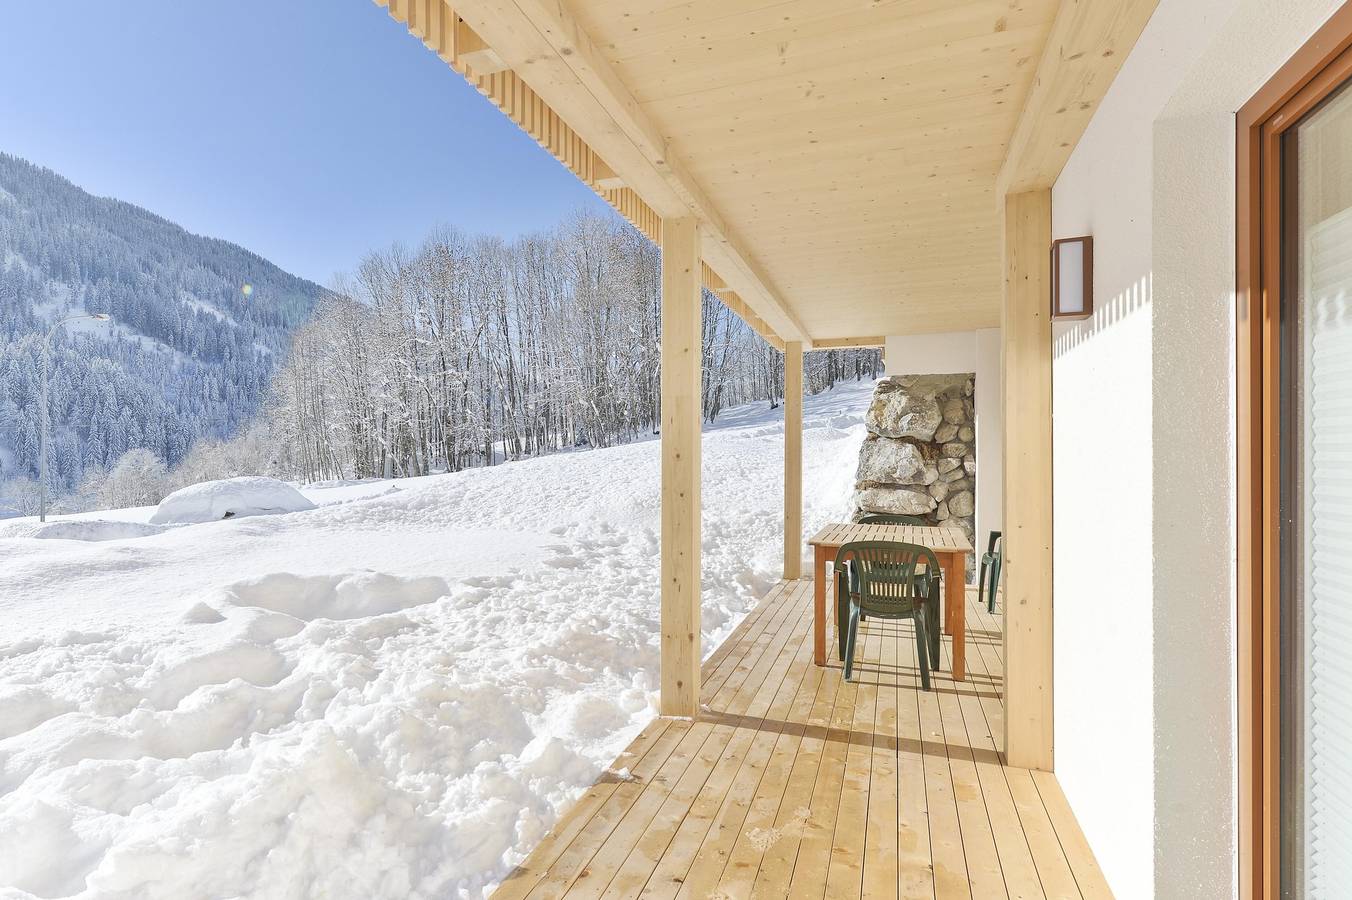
(1073, 278)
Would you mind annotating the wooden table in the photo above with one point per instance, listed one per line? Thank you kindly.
(949, 544)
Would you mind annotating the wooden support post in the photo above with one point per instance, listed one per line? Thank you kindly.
(681, 420)
(1027, 364)
(793, 459)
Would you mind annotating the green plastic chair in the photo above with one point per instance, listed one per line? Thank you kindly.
(885, 581)
(991, 562)
(889, 519)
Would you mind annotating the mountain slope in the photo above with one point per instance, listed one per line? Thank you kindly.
(197, 326)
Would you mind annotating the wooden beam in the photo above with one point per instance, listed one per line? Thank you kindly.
(543, 44)
(1027, 363)
(475, 52)
(793, 460)
(1088, 43)
(605, 177)
(681, 420)
(873, 340)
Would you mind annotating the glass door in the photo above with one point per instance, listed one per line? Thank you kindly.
(1316, 502)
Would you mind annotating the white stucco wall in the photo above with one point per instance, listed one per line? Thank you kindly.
(964, 351)
(1144, 452)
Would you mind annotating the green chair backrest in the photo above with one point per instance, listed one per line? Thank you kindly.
(886, 573)
(889, 519)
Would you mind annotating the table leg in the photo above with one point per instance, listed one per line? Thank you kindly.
(819, 606)
(955, 598)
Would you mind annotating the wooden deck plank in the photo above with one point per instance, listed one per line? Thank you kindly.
(759, 831)
(711, 859)
(572, 861)
(915, 871)
(790, 666)
(717, 668)
(794, 783)
(978, 840)
(814, 850)
(881, 862)
(946, 845)
(777, 862)
(845, 875)
(1088, 875)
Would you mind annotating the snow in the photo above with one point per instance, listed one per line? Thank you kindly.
(393, 694)
(79, 530)
(248, 495)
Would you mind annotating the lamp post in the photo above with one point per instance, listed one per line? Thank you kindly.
(46, 370)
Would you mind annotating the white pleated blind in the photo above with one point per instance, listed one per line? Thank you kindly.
(1328, 556)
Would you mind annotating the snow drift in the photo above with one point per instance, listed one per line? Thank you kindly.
(79, 530)
(232, 498)
(229, 710)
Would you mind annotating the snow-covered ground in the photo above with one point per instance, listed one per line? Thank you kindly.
(392, 695)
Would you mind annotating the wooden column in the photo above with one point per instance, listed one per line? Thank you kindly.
(1027, 364)
(681, 419)
(793, 459)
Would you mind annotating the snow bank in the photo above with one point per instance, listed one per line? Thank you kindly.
(336, 596)
(79, 530)
(211, 501)
(234, 712)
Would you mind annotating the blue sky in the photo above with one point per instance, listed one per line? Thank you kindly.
(309, 131)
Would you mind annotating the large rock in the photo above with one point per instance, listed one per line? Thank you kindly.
(961, 504)
(953, 411)
(897, 501)
(908, 405)
(887, 461)
(898, 415)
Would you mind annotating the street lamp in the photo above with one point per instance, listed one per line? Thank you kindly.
(46, 370)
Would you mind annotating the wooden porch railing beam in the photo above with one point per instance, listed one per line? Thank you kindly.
(681, 420)
(793, 460)
(1027, 364)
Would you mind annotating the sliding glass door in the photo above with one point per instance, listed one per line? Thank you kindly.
(1316, 502)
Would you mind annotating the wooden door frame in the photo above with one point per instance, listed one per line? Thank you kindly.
(1313, 72)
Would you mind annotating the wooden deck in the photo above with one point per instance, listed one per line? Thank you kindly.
(793, 783)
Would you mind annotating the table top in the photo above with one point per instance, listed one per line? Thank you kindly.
(939, 538)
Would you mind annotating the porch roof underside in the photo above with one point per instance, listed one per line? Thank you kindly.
(846, 160)
(853, 147)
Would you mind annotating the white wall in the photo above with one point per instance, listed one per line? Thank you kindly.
(1144, 460)
(964, 351)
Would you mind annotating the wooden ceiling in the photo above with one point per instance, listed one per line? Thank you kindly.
(855, 145)
(846, 158)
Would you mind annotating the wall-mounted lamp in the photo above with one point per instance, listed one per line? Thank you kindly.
(1073, 278)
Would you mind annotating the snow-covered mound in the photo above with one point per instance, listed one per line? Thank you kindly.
(232, 498)
(336, 596)
(251, 711)
(79, 530)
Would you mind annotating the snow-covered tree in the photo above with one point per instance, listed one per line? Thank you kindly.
(139, 478)
(21, 494)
